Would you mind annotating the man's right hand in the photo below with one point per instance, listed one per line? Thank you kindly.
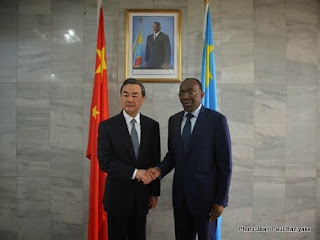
(143, 176)
(154, 172)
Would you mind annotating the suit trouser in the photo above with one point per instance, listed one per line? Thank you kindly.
(129, 227)
(188, 226)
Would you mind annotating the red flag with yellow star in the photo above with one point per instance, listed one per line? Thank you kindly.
(97, 226)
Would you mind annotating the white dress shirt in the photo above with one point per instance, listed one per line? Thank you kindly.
(155, 35)
(193, 120)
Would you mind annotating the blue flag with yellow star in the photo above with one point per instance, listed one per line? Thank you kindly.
(208, 73)
(208, 80)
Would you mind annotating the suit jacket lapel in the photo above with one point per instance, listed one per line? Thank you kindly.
(178, 130)
(143, 134)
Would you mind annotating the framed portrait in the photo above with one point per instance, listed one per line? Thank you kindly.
(153, 45)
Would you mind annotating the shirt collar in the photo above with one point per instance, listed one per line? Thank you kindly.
(195, 113)
(128, 118)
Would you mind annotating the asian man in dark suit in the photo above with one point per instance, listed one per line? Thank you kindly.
(199, 149)
(158, 49)
(129, 143)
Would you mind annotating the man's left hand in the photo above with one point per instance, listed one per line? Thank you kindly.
(153, 202)
(216, 211)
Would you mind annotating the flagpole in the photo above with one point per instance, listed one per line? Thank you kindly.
(206, 6)
(99, 4)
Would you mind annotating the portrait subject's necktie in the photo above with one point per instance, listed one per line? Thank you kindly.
(134, 138)
(186, 132)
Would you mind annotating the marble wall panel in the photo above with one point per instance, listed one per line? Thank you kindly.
(236, 4)
(66, 208)
(8, 208)
(8, 141)
(8, 74)
(237, 64)
(237, 104)
(66, 107)
(33, 129)
(164, 4)
(42, 226)
(8, 40)
(236, 24)
(8, 48)
(127, 4)
(239, 211)
(270, 146)
(301, 131)
(147, 108)
(270, 41)
(67, 41)
(8, 13)
(268, 206)
(33, 197)
(34, 29)
(66, 128)
(300, 208)
(302, 42)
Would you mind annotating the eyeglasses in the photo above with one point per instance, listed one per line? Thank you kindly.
(189, 93)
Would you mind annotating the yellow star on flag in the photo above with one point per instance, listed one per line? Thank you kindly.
(209, 76)
(103, 65)
(95, 112)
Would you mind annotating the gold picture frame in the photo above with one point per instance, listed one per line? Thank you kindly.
(153, 57)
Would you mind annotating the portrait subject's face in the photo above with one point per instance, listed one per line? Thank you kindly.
(131, 99)
(156, 27)
(190, 95)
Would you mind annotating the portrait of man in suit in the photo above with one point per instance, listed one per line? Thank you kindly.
(199, 149)
(129, 143)
(158, 49)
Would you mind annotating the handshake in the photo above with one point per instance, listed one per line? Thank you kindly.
(147, 176)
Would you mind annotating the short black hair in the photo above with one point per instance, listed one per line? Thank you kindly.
(158, 24)
(196, 80)
(134, 81)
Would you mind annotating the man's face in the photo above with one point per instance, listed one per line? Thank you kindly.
(131, 99)
(190, 95)
(156, 27)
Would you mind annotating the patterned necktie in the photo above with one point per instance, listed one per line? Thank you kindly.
(134, 138)
(186, 132)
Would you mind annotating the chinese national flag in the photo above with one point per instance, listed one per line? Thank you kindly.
(97, 227)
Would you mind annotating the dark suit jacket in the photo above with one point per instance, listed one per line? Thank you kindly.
(158, 52)
(202, 173)
(116, 157)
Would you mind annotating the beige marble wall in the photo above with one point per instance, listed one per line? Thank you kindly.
(267, 66)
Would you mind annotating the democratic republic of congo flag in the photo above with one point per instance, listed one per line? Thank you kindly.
(137, 48)
(208, 73)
